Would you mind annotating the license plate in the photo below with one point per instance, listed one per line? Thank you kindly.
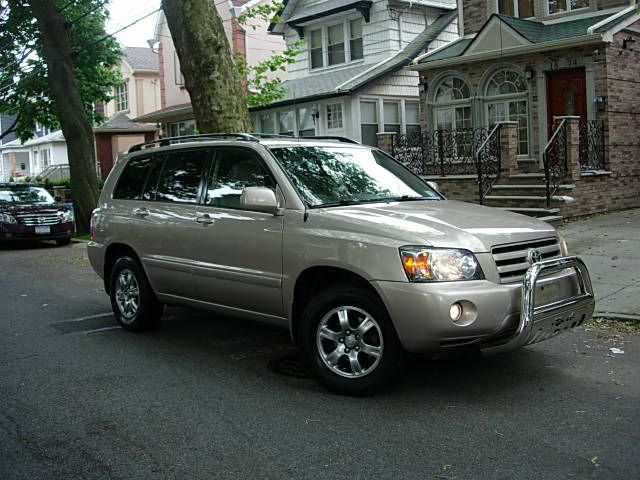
(43, 229)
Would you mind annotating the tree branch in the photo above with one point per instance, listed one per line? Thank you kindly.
(11, 129)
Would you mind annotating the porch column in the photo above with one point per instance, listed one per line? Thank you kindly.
(385, 142)
(573, 146)
(508, 148)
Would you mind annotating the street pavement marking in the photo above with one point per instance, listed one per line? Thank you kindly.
(84, 319)
(96, 330)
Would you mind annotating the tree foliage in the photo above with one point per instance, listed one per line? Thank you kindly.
(263, 89)
(24, 88)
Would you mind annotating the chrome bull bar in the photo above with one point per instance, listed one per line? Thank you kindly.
(546, 321)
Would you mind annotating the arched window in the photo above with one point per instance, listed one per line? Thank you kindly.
(507, 100)
(452, 104)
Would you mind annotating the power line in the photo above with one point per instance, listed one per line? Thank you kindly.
(102, 39)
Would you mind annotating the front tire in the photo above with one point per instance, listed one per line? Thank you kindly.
(134, 304)
(63, 241)
(350, 341)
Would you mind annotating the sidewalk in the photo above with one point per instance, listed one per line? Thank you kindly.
(610, 246)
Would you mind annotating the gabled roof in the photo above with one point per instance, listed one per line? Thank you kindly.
(120, 122)
(348, 80)
(530, 33)
(53, 137)
(140, 58)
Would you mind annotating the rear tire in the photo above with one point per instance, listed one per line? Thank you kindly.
(133, 301)
(350, 341)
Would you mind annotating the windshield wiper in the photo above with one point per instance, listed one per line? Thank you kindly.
(404, 198)
(340, 203)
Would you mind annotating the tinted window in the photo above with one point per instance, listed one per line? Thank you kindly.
(151, 186)
(132, 179)
(180, 177)
(232, 170)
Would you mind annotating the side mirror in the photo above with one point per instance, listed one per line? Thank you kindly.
(259, 199)
(58, 198)
(434, 185)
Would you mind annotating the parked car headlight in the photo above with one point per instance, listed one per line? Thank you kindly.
(66, 216)
(6, 218)
(427, 264)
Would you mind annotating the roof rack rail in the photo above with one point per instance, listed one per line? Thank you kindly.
(333, 137)
(314, 137)
(247, 137)
(165, 142)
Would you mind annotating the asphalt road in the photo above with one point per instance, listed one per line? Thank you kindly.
(196, 399)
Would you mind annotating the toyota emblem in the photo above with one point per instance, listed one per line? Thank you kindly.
(40, 220)
(534, 256)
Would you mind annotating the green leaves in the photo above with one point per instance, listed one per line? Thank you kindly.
(24, 88)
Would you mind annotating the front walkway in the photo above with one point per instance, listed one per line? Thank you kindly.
(610, 246)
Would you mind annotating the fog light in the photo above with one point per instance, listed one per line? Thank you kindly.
(455, 312)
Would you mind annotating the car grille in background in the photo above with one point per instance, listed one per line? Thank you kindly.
(39, 218)
(512, 260)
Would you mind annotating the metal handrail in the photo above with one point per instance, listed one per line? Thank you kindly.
(486, 140)
(561, 128)
(482, 191)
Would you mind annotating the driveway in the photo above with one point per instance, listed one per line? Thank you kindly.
(204, 397)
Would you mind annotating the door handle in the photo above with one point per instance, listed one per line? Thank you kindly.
(204, 219)
(140, 212)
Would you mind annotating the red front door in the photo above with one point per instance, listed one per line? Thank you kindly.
(566, 95)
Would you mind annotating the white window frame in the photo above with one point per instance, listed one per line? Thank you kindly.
(342, 116)
(177, 71)
(506, 99)
(569, 8)
(121, 97)
(346, 32)
(450, 104)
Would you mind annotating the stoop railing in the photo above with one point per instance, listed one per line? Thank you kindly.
(487, 159)
(555, 160)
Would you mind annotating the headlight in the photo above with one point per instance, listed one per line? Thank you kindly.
(6, 218)
(564, 249)
(66, 216)
(427, 264)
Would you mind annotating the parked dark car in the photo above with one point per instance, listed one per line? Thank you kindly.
(30, 213)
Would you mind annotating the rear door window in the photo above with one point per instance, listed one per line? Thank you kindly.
(181, 176)
(132, 179)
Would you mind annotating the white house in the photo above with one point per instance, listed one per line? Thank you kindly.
(351, 79)
(29, 159)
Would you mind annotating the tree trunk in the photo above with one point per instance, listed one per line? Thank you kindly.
(210, 74)
(76, 127)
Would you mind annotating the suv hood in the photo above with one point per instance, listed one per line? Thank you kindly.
(439, 223)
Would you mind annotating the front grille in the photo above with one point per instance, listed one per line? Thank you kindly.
(39, 218)
(512, 259)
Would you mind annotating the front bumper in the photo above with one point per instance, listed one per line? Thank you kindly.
(420, 311)
(17, 232)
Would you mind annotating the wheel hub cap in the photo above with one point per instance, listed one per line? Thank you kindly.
(349, 342)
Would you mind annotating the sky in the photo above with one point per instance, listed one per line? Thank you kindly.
(123, 12)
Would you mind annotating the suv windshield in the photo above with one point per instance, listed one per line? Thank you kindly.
(332, 176)
(20, 194)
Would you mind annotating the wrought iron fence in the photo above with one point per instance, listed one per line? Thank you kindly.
(591, 145)
(555, 159)
(487, 159)
(441, 152)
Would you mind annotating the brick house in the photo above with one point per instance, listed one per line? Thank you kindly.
(535, 108)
